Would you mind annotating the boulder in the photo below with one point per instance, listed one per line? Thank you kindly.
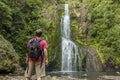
(9, 60)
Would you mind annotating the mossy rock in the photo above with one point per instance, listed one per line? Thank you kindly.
(9, 60)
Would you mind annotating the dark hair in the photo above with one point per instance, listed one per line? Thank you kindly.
(38, 32)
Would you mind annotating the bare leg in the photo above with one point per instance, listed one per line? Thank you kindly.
(39, 78)
(27, 78)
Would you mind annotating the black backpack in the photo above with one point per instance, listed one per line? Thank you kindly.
(34, 49)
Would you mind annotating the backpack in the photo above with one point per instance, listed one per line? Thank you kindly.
(34, 49)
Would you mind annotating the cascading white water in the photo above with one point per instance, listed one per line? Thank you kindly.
(70, 55)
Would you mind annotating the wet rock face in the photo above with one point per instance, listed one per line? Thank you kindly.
(90, 59)
(93, 60)
(9, 60)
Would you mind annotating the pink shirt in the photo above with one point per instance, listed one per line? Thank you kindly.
(43, 45)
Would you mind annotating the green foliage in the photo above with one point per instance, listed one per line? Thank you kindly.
(5, 17)
(104, 29)
(19, 20)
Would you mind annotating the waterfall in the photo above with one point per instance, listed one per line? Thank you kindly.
(70, 56)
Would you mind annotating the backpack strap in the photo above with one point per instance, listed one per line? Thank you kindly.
(31, 40)
(39, 40)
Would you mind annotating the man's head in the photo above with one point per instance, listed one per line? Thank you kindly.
(38, 32)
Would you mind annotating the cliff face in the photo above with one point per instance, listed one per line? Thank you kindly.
(79, 33)
(9, 60)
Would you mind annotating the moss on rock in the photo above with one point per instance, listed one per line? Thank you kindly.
(9, 60)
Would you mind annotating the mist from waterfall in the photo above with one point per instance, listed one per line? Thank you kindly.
(70, 55)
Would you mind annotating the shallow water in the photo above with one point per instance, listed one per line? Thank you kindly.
(82, 74)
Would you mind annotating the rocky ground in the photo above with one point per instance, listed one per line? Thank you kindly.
(34, 78)
(13, 77)
(109, 78)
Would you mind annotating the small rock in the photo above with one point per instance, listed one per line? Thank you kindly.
(84, 75)
(118, 72)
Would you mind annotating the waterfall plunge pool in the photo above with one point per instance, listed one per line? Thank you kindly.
(82, 74)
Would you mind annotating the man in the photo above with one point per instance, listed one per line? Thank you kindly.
(40, 62)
